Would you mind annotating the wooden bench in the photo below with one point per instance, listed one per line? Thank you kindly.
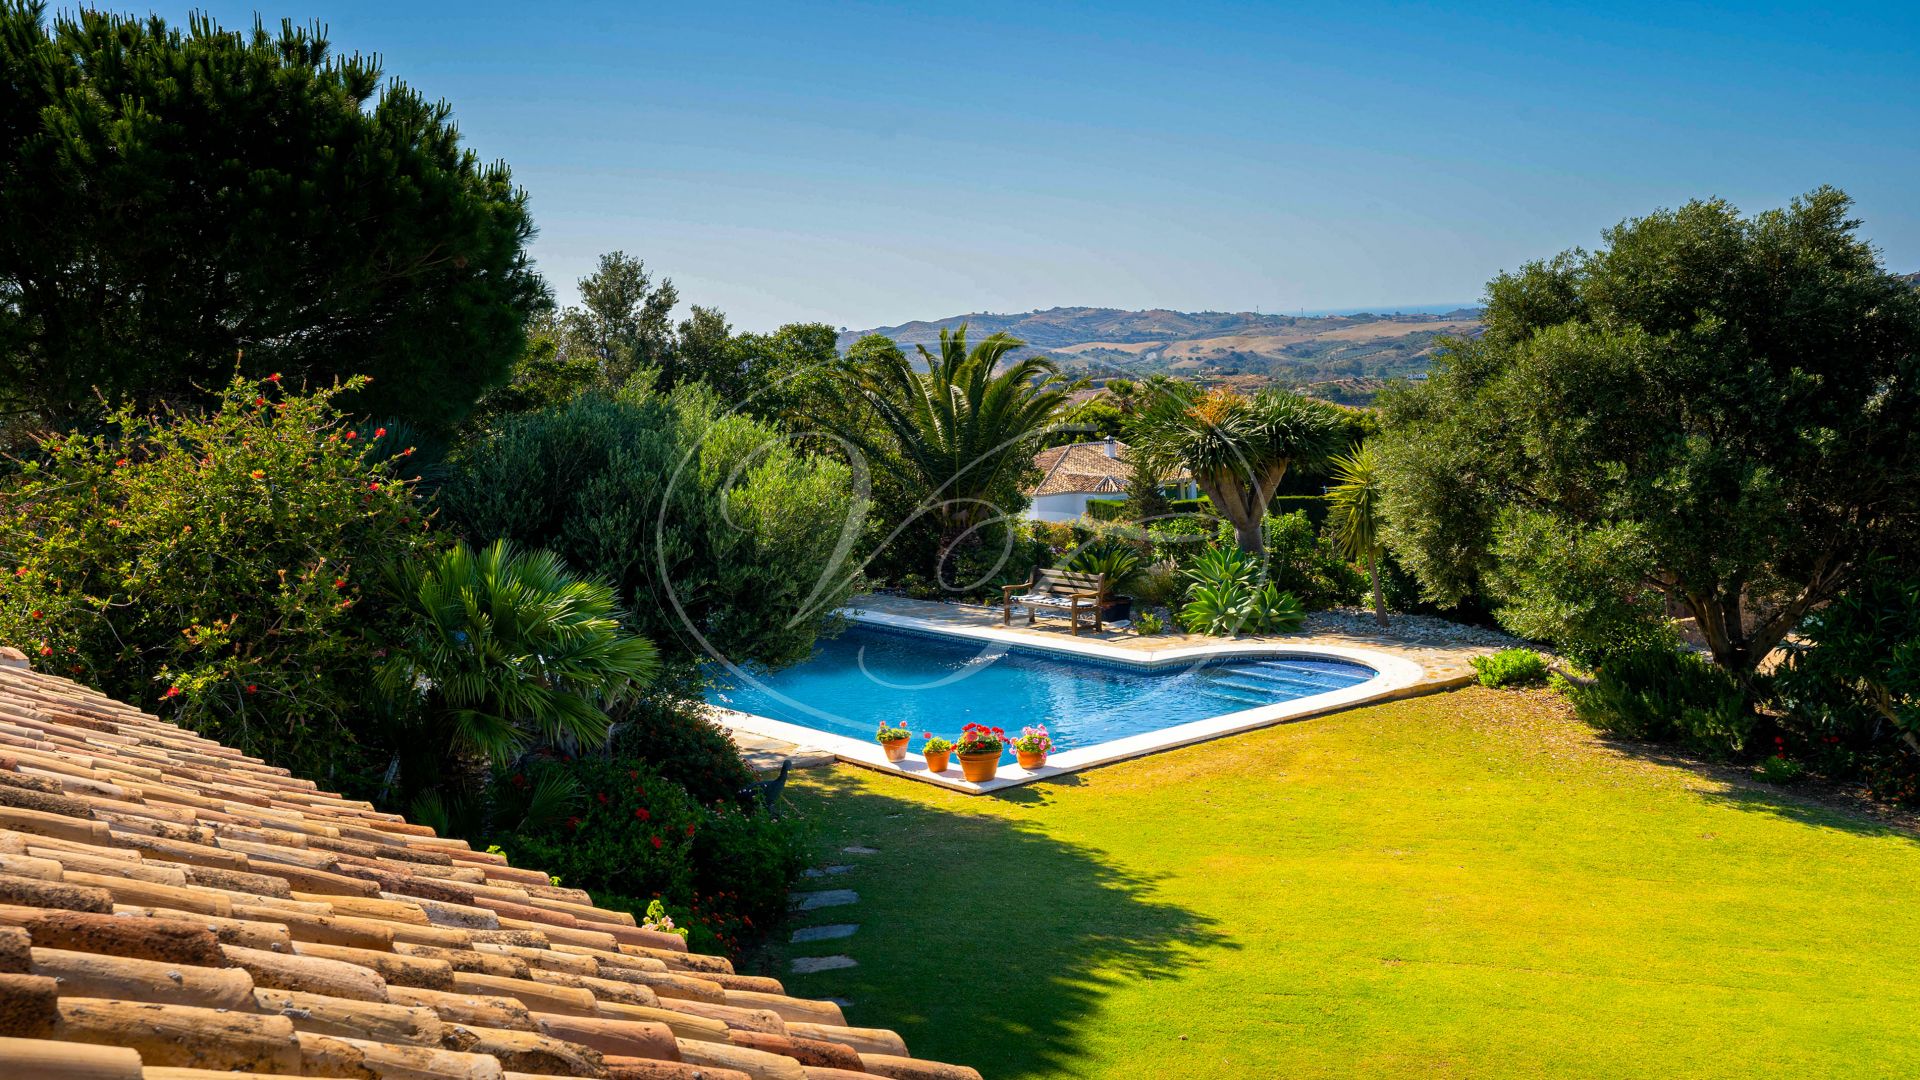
(1056, 592)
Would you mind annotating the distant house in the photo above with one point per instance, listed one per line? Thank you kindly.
(1070, 475)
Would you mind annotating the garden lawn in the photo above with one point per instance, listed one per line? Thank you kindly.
(1464, 885)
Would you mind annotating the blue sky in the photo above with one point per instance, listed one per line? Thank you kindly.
(864, 164)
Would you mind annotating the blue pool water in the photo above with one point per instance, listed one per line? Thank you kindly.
(930, 682)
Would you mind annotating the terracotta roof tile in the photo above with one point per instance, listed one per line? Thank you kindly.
(173, 910)
(1085, 468)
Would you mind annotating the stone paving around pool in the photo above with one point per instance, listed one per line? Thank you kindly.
(1443, 653)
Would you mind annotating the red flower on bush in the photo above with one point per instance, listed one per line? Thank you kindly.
(379, 433)
(274, 378)
(172, 692)
(46, 650)
(252, 689)
(373, 486)
(353, 435)
(656, 843)
(600, 797)
(689, 828)
(643, 813)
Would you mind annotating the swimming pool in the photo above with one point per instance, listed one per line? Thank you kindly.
(929, 682)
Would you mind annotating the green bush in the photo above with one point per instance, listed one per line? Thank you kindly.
(215, 567)
(675, 739)
(720, 536)
(1201, 505)
(1308, 563)
(1511, 667)
(1148, 624)
(1660, 694)
(1177, 540)
(629, 836)
(1107, 509)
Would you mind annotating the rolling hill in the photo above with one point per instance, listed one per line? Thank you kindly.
(1342, 356)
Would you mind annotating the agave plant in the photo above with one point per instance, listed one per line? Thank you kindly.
(504, 648)
(1272, 611)
(1220, 610)
(1222, 566)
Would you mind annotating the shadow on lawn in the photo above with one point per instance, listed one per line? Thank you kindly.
(1812, 803)
(984, 941)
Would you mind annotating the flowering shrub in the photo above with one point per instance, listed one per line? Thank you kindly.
(1034, 740)
(891, 733)
(214, 565)
(934, 744)
(633, 838)
(980, 739)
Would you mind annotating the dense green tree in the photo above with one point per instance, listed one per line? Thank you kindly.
(624, 322)
(1237, 447)
(172, 198)
(1859, 671)
(722, 539)
(963, 432)
(703, 346)
(1713, 409)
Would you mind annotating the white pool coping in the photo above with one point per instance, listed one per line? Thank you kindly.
(1394, 676)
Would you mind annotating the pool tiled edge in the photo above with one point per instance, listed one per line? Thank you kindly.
(1394, 677)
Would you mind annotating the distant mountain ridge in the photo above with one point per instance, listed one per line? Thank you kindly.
(1063, 327)
(1343, 356)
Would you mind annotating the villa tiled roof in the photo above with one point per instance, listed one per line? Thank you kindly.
(171, 909)
(1085, 468)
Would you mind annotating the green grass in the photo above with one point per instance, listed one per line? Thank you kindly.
(1465, 885)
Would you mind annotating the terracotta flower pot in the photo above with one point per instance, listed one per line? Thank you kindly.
(979, 768)
(896, 750)
(1031, 760)
(937, 760)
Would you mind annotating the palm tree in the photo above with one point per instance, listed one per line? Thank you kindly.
(503, 648)
(1238, 448)
(960, 432)
(1355, 498)
(1125, 394)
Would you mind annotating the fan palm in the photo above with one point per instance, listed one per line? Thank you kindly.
(1355, 501)
(1238, 448)
(962, 432)
(504, 648)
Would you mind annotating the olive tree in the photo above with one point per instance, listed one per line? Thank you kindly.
(1713, 412)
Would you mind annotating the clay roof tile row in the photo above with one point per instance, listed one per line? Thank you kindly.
(171, 909)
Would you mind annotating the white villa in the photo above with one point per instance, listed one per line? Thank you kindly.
(1070, 475)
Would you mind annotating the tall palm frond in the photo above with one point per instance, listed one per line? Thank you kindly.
(1355, 515)
(961, 428)
(508, 647)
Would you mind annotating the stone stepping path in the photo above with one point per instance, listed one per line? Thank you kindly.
(813, 901)
(808, 965)
(824, 933)
(825, 871)
(856, 849)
